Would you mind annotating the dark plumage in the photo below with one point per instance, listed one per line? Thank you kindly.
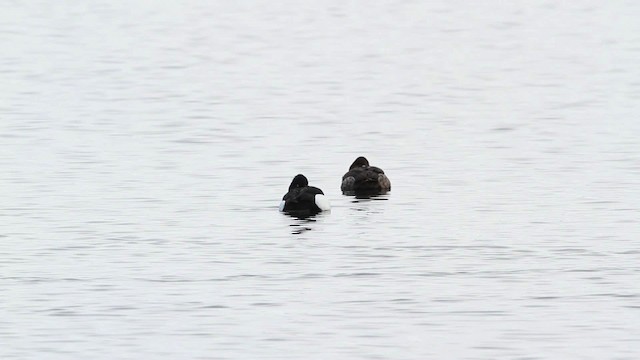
(303, 198)
(362, 179)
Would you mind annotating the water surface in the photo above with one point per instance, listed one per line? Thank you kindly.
(145, 148)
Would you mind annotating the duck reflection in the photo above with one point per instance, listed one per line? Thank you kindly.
(302, 221)
(368, 197)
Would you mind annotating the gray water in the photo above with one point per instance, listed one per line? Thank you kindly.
(145, 147)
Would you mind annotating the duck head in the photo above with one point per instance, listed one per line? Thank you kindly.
(360, 162)
(298, 181)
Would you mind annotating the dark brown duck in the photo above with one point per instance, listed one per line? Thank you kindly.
(363, 179)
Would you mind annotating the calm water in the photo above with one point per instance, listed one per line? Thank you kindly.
(145, 148)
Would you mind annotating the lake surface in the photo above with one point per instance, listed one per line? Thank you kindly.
(145, 148)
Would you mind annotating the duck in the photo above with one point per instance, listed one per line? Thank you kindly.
(303, 198)
(363, 179)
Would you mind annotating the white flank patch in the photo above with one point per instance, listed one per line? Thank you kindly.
(281, 207)
(323, 202)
